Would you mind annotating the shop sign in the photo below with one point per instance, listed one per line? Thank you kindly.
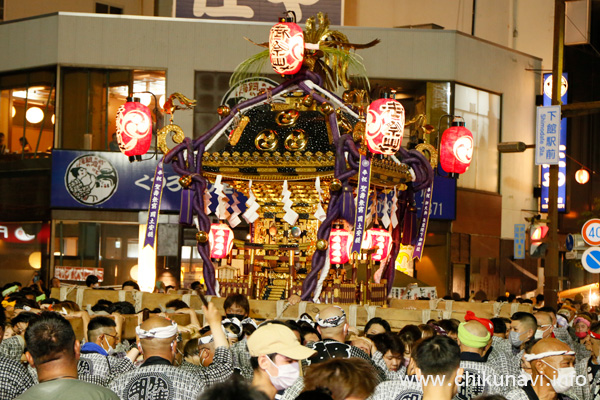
(77, 273)
(257, 10)
(17, 233)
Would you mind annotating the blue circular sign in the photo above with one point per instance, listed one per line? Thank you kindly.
(570, 242)
(591, 260)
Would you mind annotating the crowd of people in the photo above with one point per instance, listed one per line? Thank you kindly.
(547, 354)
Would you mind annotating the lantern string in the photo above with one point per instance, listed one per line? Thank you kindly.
(582, 166)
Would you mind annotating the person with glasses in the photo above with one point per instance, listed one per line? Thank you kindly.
(98, 356)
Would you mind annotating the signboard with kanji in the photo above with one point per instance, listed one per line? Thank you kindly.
(547, 135)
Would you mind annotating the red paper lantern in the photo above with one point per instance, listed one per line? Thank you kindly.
(456, 148)
(134, 128)
(382, 239)
(384, 126)
(221, 240)
(340, 243)
(286, 48)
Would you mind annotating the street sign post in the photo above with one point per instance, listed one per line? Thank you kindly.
(570, 242)
(519, 248)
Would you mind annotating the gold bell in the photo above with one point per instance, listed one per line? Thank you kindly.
(185, 181)
(223, 111)
(201, 237)
(322, 244)
(336, 185)
(327, 108)
(308, 100)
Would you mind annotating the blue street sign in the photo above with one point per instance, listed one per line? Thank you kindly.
(570, 242)
(591, 260)
(519, 247)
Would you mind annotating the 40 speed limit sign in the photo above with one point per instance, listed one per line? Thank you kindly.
(591, 232)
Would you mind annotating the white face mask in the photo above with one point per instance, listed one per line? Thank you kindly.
(515, 339)
(288, 374)
(564, 380)
(539, 333)
(109, 349)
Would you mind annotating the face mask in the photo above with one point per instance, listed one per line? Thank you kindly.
(288, 374)
(109, 349)
(240, 317)
(514, 338)
(203, 360)
(539, 333)
(565, 378)
(581, 335)
(406, 361)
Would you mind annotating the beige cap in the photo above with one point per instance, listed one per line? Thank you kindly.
(277, 338)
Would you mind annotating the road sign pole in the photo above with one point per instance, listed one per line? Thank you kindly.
(551, 285)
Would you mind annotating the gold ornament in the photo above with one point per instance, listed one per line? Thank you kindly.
(201, 237)
(322, 244)
(287, 118)
(266, 140)
(358, 133)
(185, 181)
(223, 111)
(296, 141)
(327, 108)
(308, 100)
(161, 137)
(336, 185)
(237, 132)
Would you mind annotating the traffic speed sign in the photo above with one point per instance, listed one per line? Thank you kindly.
(591, 232)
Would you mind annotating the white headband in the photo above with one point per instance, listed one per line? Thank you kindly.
(331, 322)
(164, 332)
(205, 339)
(532, 357)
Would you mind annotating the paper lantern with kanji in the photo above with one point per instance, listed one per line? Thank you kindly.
(384, 126)
(221, 240)
(134, 128)
(382, 239)
(456, 148)
(286, 48)
(340, 243)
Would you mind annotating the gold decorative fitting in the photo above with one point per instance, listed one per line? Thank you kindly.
(185, 181)
(296, 141)
(223, 111)
(237, 132)
(430, 152)
(358, 132)
(322, 244)
(287, 118)
(336, 185)
(201, 237)
(161, 137)
(308, 100)
(267, 140)
(326, 108)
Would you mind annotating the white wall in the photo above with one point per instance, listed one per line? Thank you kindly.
(17, 9)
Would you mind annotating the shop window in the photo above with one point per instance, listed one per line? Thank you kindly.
(90, 99)
(133, 248)
(481, 111)
(102, 8)
(27, 114)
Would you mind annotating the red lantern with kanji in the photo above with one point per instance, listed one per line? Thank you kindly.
(382, 239)
(384, 126)
(340, 243)
(134, 128)
(456, 148)
(286, 48)
(221, 240)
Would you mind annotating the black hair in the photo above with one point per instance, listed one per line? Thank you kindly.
(388, 342)
(526, 318)
(502, 299)
(25, 302)
(235, 388)
(437, 355)
(91, 280)
(539, 298)
(124, 308)
(529, 345)
(499, 325)
(102, 305)
(450, 326)
(2, 317)
(293, 326)
(595, 327)
(48, 336)
(248, 329)
(23, 317)
(238, 299)
(130, 283)
(379, 321)
(195, 284)
(307, 330)
(526, 301)
(548, 309)
(101, 322)
(177, 304)
(191, 348)
(254, 360)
